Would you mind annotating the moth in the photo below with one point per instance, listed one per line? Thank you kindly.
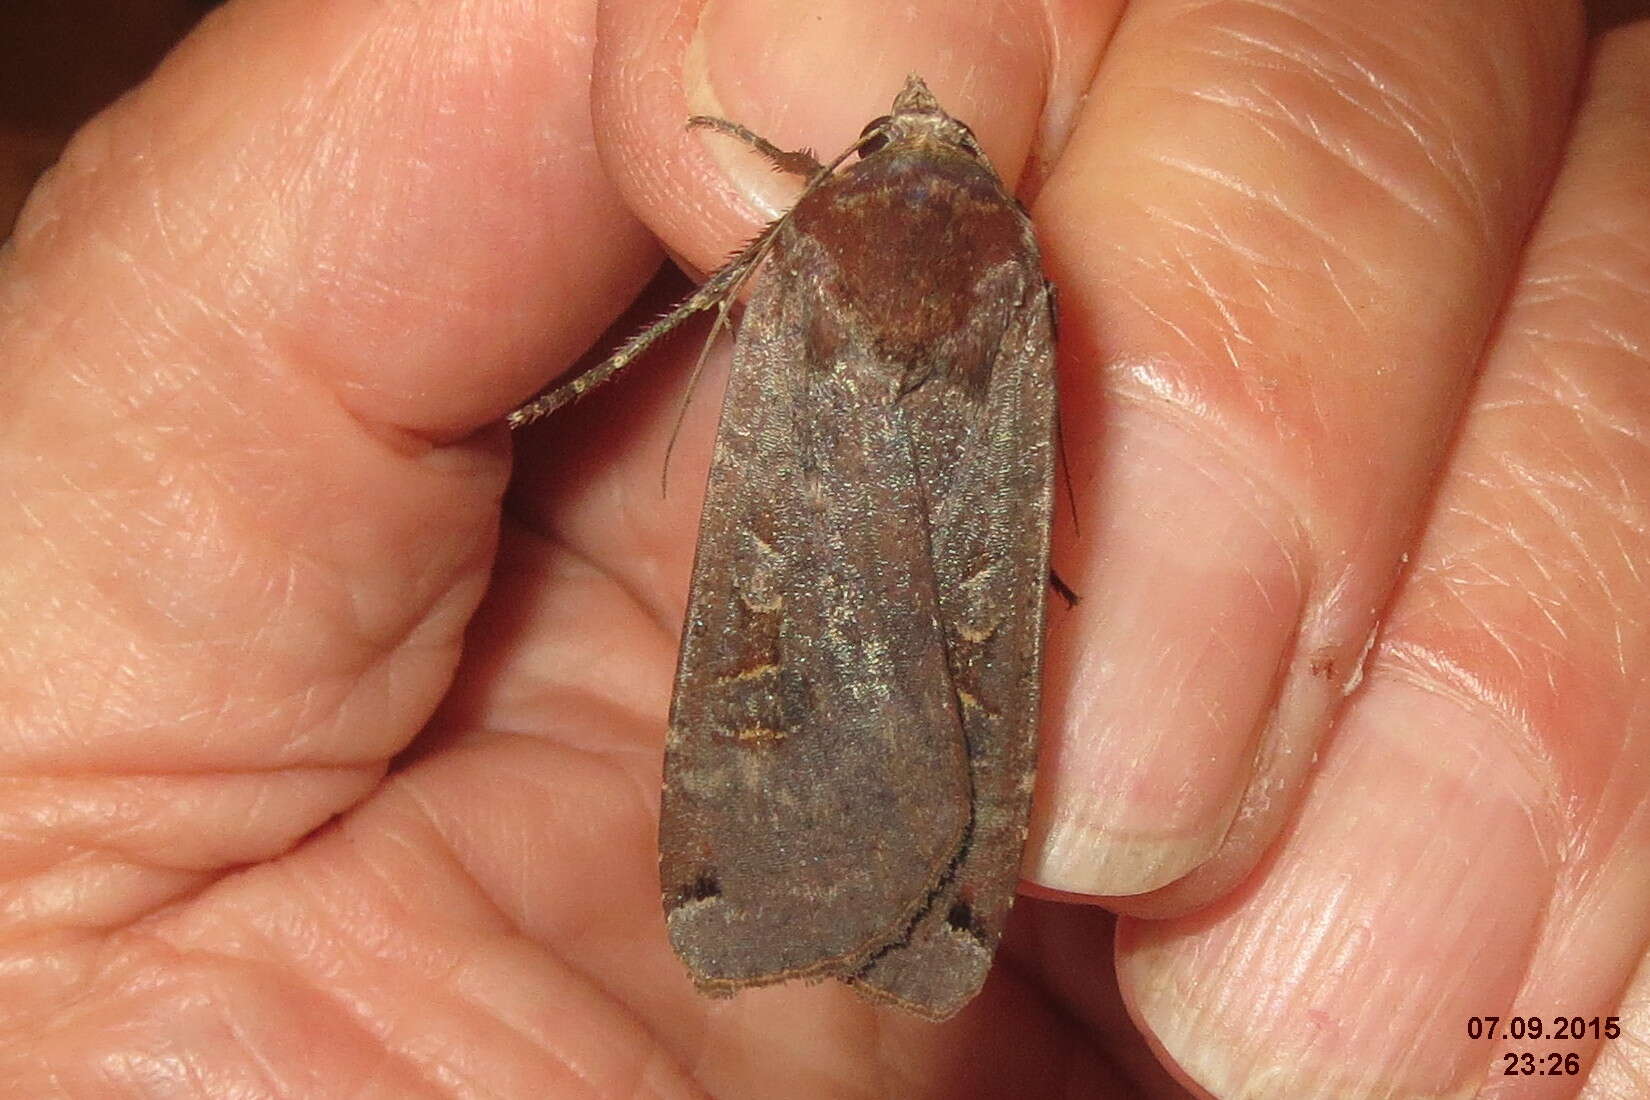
(852, 740)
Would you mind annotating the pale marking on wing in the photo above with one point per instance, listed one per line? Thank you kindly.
(773, 603)
(976, 627)
(751, 673)
(757, 588)
(758, 735)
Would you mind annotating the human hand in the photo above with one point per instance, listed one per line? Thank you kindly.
(259, 328)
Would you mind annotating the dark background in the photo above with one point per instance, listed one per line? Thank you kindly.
(60, 62)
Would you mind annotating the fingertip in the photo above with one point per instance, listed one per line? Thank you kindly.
(810, 79)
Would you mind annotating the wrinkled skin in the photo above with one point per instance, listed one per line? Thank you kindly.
(331, 769)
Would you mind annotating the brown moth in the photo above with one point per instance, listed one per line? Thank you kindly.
(852, 739)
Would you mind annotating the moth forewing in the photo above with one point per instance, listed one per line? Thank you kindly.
(991, 557)
(849, 764)
(790, 844)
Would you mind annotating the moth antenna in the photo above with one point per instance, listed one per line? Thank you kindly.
(687, 395)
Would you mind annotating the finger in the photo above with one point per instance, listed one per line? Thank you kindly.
(1623, 1063)
(1283, 231)
(241, 317)
(1004, 66)
(1474, 844)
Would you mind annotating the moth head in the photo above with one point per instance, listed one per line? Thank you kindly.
(917, 117)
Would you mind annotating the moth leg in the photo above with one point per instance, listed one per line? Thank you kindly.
(713, 294)
(802, 162)
(687, 394)
(716, 290)
(1063, 590)
(574, 388)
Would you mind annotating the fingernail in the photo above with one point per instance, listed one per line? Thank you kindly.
(1188, 617)
(1407, 900)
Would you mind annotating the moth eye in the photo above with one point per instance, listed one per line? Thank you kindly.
(872, 137)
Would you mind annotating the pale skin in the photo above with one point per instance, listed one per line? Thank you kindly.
(329, 771)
